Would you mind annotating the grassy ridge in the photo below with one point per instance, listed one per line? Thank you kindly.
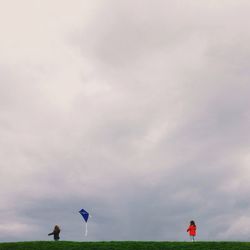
(124, 245)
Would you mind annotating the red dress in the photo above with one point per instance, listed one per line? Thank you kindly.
(192, 230)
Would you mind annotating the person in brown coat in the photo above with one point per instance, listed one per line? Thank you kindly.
(56, 232)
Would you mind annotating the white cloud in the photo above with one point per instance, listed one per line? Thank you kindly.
(126, 108)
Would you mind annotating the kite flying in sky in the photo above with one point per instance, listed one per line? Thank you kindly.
(85, 216)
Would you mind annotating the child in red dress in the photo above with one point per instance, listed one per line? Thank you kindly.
(192, 230)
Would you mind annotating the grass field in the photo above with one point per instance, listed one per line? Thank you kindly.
(124, 245)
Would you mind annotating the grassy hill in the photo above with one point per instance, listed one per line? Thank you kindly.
(124, 245)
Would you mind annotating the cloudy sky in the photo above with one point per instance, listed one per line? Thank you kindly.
(136, 110)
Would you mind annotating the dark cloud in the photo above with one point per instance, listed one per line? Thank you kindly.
(137, 112)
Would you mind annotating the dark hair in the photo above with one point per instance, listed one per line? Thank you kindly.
(192, 223)
(57, 229)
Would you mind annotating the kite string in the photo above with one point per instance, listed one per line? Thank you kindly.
(86, 230)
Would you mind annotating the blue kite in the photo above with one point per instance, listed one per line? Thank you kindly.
(85, 216)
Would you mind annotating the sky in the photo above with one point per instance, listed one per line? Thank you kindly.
(136, 110)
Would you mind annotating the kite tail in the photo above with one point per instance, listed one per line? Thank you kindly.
(86, 230)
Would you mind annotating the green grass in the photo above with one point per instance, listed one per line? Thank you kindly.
(124, 245)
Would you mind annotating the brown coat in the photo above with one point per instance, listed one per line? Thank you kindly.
(56, 233)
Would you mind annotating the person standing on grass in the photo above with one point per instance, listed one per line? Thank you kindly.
(56, 232)
(192, 230)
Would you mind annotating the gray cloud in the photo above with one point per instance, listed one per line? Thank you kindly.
(136, 111)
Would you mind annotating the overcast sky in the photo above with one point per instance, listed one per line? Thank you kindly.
(137, 111)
